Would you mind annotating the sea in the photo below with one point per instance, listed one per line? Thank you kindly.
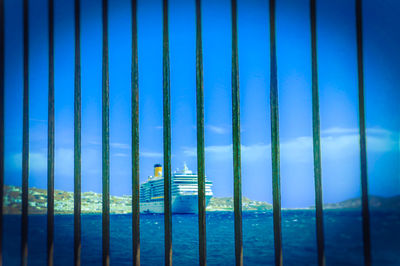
(343, 238)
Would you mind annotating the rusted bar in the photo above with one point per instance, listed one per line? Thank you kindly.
(25, 139)
(1, 125)
(106, 142)
(363, 142)
(236, 140)
(167, 140)
(135, 141)
(316, 137)
(77, 140)
(50, 142)
(276, 186)
(200, 139)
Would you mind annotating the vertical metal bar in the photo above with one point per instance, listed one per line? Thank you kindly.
(50, 142)
(25, 140)
(236, 140)
(316, 137)
(106, 142)
(276, 186)
(77, 140)
(363, 144)
(167, 140)
(1, 125)
(135, 141)
(200, 139)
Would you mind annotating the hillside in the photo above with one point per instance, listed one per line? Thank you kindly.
(63, 202)
(226, 204)
(375, 202)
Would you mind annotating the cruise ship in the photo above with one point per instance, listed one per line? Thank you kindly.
(183, 192)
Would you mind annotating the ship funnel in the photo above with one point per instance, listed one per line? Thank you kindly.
(157, 170)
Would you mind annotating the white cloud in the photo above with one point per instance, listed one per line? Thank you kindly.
(379, 131)
(343, 142)
(334, 142)
(120, 154)
(339, 131)
(347, 131)
(93, 142)
(151, 154)
(216, 129)
(37, 161)
(117, 145)
(223, 152)
(64, 161)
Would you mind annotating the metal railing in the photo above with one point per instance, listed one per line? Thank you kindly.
(167, 138)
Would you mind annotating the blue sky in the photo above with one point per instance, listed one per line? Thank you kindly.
(337, 81)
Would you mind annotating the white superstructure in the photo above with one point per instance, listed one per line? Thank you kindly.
(183, 192)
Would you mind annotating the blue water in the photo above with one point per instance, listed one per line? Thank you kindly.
(343, 239)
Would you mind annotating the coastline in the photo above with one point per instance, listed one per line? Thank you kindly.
(92, 203)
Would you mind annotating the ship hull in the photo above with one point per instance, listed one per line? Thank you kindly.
(180, 204)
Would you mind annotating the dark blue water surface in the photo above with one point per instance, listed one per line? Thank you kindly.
(343, 239)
